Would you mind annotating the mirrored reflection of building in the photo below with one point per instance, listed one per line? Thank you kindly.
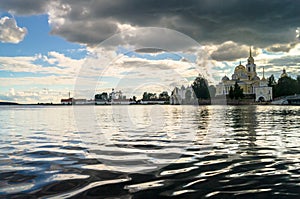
(244, 124)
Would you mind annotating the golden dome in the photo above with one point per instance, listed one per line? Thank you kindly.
(240, 68)
(284, 74)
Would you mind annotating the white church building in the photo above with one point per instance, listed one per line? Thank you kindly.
(247, 79)
(183, 95)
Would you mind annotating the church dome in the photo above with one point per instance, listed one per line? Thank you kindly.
(240, 72)
(225, 78)
(240, 68)
(284, 74)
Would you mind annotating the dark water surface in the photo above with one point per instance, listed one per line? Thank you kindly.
(150, 152)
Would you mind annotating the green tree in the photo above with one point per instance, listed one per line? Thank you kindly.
(145, 96)
(200, 87)
(298, 84)
(149, 96)
(164, 96)
(271, 81)
(152, 96)
(238, 92)
(102, 96)
(286, 86)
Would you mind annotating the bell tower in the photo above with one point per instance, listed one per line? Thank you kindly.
(251, 67)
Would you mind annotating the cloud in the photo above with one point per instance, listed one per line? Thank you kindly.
(10, 32)
(34, 95)
(206, 21)
(26, 64)
(12, 92)
(230, 51)
(225, 30)
(21, 7)
(258, 23)
(149, 50)
(281, 47)
(53, 63)
(290, 61)
(130, 74)
(51, 80)
(133, 74)
(54, 71)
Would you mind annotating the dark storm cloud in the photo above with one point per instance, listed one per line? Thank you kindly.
(24, 7)
(82, 32)
(285, 61)
(230, 51)
(148, 50)
(282, 47)
(151, 38)
(251, 22)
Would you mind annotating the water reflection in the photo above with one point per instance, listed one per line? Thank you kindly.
(244, 123)
(150, 137)
(150, 151)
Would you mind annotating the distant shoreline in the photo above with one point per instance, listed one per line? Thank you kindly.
(229, 104)
(8, 103)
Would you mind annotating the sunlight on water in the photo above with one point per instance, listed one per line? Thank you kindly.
(153, 151)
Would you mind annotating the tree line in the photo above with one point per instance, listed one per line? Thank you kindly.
(164, 96)
(236, 92)
(204, 91)
(285, 86)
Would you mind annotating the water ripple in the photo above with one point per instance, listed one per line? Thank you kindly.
(234, 152)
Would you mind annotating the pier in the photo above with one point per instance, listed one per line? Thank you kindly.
(288, 100)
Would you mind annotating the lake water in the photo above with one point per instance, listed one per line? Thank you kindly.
(150, 151)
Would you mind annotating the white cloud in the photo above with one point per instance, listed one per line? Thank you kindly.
(58, 64)
(273, 62)
(12, 92)
(298, 33)
(10, 32)
(25, 64)
(125, 27)
(105, 69)
(36, 89)
(132, 74)
(53, 72)
(37, 81)
(57, 13)
(34, 95)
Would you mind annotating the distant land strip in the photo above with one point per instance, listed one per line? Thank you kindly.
(8, 103)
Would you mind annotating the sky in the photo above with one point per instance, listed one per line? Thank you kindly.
(50, 48)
